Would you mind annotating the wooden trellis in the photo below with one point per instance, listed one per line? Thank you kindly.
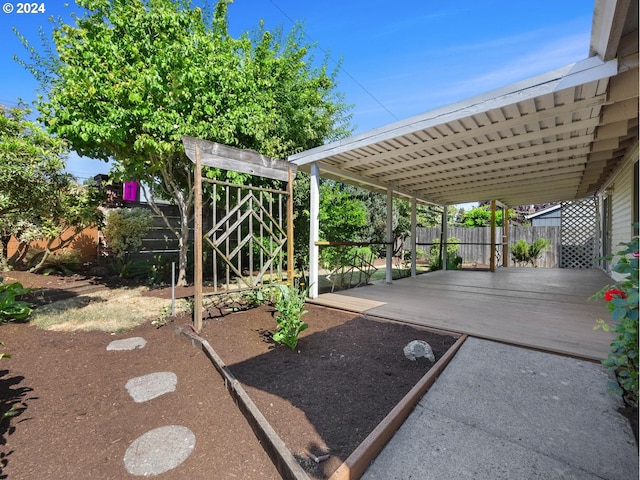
(579, 233)
(249, 237)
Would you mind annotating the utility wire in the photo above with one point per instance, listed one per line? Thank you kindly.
(337, 63)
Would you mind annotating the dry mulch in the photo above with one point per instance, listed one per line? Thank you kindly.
(75, 418)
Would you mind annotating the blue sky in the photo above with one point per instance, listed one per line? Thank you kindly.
(398, 59)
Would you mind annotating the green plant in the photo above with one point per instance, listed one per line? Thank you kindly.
(454, 261)
(257, 296)
(289, 303)
(622, 302)
(124, 230)
(523, 253)
(10, 307)
(65, 262)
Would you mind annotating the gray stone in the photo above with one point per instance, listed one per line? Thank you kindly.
(419, 348)
(159, 450)
(150, 386)
(132, 343)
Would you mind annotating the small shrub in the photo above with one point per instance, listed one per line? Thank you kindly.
(289, 303)
(523, 253)
(10, 307)
(125, 228)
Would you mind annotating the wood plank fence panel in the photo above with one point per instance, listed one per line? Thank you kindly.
(475, 244)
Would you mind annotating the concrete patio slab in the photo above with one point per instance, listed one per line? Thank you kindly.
(504, 412)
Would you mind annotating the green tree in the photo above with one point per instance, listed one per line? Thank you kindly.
(133, 77)
(481, 217)
(37, 198)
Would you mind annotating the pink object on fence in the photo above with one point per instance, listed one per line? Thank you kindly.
(130, 191)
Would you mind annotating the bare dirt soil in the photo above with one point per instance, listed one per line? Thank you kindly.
(75, 419)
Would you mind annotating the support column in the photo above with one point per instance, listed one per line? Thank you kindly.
(414, 223)
(505, 236)
(444, 260)
(197, 247)
(492, 263)
(389, 276)
(314, 230)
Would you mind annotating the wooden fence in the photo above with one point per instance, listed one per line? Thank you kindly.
(475, 243)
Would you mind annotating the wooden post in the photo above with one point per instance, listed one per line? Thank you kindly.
(505, 236)
(389, 268)
(414, 223)
(197, 249)
(314, 229)
(290, 259)
(492, 264)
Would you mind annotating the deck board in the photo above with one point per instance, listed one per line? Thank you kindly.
(546, 309)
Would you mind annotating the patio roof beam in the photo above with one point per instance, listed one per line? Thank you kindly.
(513, 141)
(358, 180)
(516, 122)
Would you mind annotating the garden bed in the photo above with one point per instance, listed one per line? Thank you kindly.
(347, 373)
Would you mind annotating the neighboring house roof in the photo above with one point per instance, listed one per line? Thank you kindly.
(543, 213)
(553, 137)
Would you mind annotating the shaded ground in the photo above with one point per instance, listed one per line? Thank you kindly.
(347, 374)
(75, 418)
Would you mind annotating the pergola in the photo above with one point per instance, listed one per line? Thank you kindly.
(554, 137)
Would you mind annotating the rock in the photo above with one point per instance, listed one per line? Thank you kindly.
(159, 450)
(148, 387)
(132, 343)
(419, 348)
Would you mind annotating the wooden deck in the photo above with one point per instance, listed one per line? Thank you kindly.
(546, 309)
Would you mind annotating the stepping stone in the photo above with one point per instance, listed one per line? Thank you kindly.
(159, 450)
(150, 386)
(132, 343)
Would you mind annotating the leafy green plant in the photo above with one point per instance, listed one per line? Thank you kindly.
(257, 296)
(523, 253)
(289, 303)
(622, 302)
(10, 307)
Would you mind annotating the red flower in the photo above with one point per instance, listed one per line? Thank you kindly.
(611, 294)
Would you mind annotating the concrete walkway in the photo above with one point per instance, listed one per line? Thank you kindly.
(505, 412)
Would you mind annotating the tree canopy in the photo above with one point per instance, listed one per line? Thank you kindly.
(132, 77)
(37, 198)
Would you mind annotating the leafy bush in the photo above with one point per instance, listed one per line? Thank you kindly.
(10, 307)
(622, 302)
(125, 228)
(523, 253)
(289, 303)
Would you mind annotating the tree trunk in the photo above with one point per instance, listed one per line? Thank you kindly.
(4, 252)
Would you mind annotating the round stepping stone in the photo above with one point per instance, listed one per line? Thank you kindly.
(132, 343)
(159, 450)
(150, 386)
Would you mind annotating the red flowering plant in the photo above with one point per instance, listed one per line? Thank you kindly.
(622, 302)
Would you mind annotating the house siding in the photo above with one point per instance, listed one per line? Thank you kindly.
(620, 191)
